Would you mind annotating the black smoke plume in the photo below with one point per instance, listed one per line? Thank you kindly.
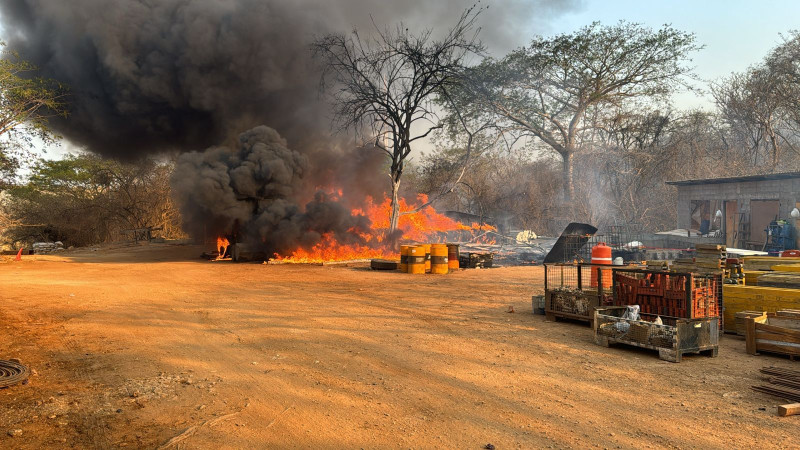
(148, 76)
(154, 75)
(252, 191)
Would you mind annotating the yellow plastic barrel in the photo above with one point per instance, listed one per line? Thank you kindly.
(404, 258)
(452, 256)
(439, 259)
(416, 259)
(427, 257)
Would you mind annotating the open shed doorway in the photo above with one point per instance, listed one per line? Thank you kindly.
(762, 212)
(704, 217)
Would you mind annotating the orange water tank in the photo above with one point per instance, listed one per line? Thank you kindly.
(601, 254)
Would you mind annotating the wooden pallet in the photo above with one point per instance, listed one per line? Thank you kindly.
(773, 333)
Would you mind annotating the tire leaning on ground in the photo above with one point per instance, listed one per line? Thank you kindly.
(383, 264)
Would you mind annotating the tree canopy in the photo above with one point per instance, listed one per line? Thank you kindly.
(384, 87)
(552, 89)
(85, 199)
(26, 104)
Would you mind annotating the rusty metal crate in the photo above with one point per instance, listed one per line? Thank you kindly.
(672, 339)
(684, 295)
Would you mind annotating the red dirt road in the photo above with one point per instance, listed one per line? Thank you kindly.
(148, 346)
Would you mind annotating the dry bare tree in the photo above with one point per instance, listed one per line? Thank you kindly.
(750, 103)
(545, 90)
(384, 86)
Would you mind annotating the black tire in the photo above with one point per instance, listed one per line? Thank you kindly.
(383, 264)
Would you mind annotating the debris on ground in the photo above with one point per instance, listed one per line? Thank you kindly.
(12, 372)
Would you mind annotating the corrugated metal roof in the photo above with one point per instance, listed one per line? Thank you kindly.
(768, 176)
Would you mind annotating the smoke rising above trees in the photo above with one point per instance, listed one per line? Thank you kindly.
(149, 76)
(153, 76)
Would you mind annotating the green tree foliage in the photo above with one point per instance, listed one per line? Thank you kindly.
(84, 200)
(26, 104)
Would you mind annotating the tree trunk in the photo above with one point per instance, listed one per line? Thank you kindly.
(775, 150)
(395, 217)
(568, 187)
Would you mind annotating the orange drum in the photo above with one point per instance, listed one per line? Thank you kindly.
(416, 259)
(601, 254)
(439, 259)
(452, 256)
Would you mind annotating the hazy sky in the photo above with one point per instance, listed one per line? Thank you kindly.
(735, 33)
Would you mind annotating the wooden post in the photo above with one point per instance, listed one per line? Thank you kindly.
(545, 277)
(789, 410)
(750, 335)
(689, 294)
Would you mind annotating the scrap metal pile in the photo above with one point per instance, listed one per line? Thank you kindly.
(783, 383)
(570, 301)
(12, 372)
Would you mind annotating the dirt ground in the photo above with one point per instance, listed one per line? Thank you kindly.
(150, 346)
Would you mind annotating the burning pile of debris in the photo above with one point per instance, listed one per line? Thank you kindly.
(258, 204)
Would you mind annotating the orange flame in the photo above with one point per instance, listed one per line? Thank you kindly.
(222, 247)
(416, 223)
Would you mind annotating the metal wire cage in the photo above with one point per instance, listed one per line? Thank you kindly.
(625, 241)
(573, 291)
(579, 277)
(671, 336)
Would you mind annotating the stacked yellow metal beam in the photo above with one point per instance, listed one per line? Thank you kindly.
(751, 276)
(756, 298)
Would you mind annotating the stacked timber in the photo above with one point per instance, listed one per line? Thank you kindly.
(756, 298)
(751, 276)
(789, 280)
(657, 265)
(710, 258)
(683, 265)
(766, 262)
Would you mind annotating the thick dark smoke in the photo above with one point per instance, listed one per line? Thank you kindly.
(153, 75)
(251, 191)
(148, 76)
